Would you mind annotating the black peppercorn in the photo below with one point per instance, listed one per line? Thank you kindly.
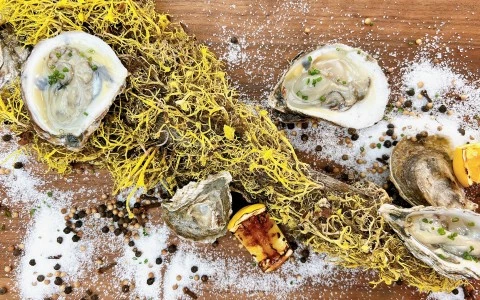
(3, 290)
(304, 137)
(40, 278)
(109, 214)
(58, 281)
(303, 259)
(318, 148)
(105, 229)
(131, 243)
(385, 157)
(82, 214)
(150, 281)
(455, 292)
(59, 239)
(75, 238)
(425, 108)
(78, 224)
(410, 92)
(390, 132)
(125, 288)
(17, 252)
(117, 231)
(442, 109)
(75, 216)
(204, 278)
(6, 137)
(138, 253)
(119, 204)
(304, 125)
(290, 125)
(158, 260)
(68, 290)
(461, 131)
(390, 125)
(215, 244)
(32, 262)
(305, 253)
(172, 248)
(387, 144)
(355, 136)
(345, 157)
(116, 218)
(407, 103)
(234, 40)
(18, 165)
(351, 131)
(194, 269)
(394, 143)
(102, 208)
(67, 230)
(56, 267)
(136, 205)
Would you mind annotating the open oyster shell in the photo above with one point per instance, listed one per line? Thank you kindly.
(422, 172)
(68, 84)
(448, 240)
(337, 83)
(200, 210)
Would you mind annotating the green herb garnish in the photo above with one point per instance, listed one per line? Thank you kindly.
(452, 236)
(323, 98)
(318, 79)
(471, 224)
(32, 212)
(58, 54)
(49, 193)
(313, 72)
(441, 231)
(94, 67)
(310, 58)
(65, 69)
(442, 256)
(379, 145)
(424, 220)
(55, 77)
(85, 113)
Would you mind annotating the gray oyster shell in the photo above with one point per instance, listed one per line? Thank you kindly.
(422, 172)
(200, 211)
(12, 56)
(448, 240)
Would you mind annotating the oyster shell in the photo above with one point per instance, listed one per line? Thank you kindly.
(68, 85)
(422, 172)
(200, 210)
(337, 83)
(448, 240)
(12, 55)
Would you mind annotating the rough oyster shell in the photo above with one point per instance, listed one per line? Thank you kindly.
(12, 55)
(448, 240)
(422, 172)
(337, 83)
(68, 84)
(200, 210)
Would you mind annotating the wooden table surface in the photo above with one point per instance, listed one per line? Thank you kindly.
(270, 33)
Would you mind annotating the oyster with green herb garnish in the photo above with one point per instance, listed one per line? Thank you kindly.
(337, 83)
(68, 84)
(448, 240)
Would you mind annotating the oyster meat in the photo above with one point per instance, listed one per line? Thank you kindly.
(68, 84)
(448, 240)
(12, 55)
(422, 172)
(337, 83)
(200, 210)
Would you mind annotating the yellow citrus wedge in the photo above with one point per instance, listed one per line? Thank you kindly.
(244, 213)
(466, 164)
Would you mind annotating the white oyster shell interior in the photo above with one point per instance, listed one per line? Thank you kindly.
(446, 239)
(68, 85)
(200, 210)
(337, 83)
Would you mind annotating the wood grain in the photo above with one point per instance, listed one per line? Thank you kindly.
(271, 32)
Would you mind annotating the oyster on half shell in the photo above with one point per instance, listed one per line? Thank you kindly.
(68, 84)
(448, 240)
(422, 172)
(200, 210)
(337, 83)
(12, 55)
